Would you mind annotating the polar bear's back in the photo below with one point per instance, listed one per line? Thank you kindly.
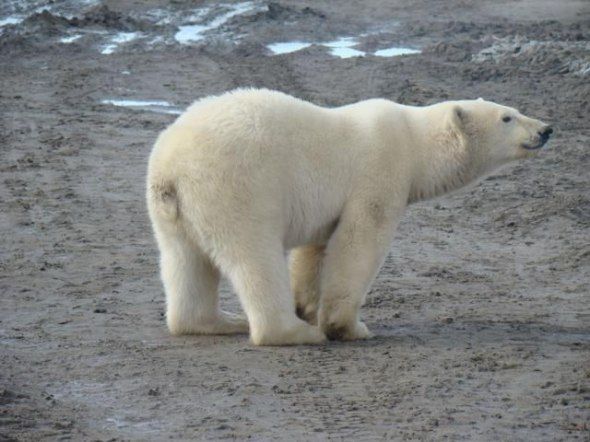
(247, 127)
(246, 124)
(250, 113)
(225, 149)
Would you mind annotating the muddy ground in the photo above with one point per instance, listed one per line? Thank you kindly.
(482, 310)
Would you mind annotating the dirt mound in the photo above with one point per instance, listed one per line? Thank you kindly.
(45, 23)
(34, 29)
(543, 30)
(557, 57)
(459, 29)
(452, 51)
(13, 42)
(276, 11)
(416, 94)
(105, 17)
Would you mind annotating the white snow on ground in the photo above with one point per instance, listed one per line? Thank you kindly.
(343, 47)
(70, 38)
(198, 22)
(190, 33)
(288, 47)
(395, 51)
(14, 20)
(120, 38)
(159, 106)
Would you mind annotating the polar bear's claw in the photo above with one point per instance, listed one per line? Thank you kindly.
(338, 332)
(308, 313)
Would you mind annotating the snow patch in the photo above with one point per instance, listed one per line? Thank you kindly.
(120, 38)
(288, 47)
(342, 47)
(70, 38)
(395, 51)
(14, 20)
(195, 32)
(158, 106)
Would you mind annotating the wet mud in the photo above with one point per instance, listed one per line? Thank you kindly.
(481, 311)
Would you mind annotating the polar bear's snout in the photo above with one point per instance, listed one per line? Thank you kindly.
(540, 139)
(545, 134)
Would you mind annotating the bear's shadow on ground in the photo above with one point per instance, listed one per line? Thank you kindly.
(428, 335)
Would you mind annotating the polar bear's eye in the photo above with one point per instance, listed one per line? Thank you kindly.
(507, 119)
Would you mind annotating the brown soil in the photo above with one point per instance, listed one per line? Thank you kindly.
(481, 311)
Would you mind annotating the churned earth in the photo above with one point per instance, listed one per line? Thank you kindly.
(482, 310)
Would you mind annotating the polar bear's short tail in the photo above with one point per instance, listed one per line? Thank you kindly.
(163, 199)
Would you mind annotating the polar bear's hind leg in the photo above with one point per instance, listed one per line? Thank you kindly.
(191, 282)
(305, 270)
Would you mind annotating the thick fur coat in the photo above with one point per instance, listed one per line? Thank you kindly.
(241, 179)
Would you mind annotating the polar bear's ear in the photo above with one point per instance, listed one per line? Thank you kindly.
(459, 117)
(480, 99)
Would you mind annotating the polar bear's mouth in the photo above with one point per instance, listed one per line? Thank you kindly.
(540, 143)
(533, 146)
(541, 140)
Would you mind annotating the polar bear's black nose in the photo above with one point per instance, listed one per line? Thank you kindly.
(547, 130)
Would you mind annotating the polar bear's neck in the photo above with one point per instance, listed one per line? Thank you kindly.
(443, 164)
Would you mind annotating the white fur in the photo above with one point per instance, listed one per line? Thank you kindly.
(240, 179)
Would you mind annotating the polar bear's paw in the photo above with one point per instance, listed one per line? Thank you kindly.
(223, 324)
(308, 313)
(300, 333)
(347, 332)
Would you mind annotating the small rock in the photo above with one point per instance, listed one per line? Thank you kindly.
(154, 391)
(63, 425)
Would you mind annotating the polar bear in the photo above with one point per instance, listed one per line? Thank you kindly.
(240, 179)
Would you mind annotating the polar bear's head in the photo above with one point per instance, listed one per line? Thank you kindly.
(496, 134)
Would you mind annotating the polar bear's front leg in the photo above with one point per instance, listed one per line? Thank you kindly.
(306, 262)
(354, 255)
(261, 278)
